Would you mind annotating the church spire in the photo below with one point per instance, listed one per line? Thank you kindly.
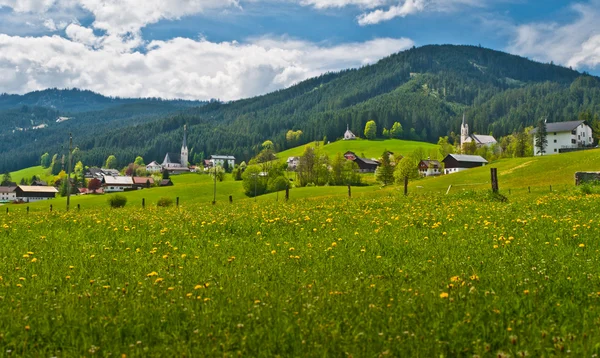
(463, 123)
(184, 136)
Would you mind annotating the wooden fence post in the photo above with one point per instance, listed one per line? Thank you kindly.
(143, 202)
(494, 172)
(529, 188)
(550, 187)
(7, 209)
(177, 202)
(406, 186)
(50, 207)
(349, 191)
(287, 193)
(78, 207)
(28, 210)
(230, 199)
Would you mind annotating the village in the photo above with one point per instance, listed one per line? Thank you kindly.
(562, 137)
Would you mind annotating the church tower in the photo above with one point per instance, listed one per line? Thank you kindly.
(464, 132)
(184, 148)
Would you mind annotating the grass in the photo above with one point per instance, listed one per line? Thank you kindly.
(28, 173)
(380, 274)
(368, 148)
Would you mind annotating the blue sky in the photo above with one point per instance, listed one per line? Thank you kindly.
(229, 49)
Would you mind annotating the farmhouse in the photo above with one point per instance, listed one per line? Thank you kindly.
(154, 167)
(349, 135)
(178, 163)
(364, 165)
(455, 163)
(428, 168)
(30, 194)
(221, 159)
(8, 194)
(565, 137)
(142, 182)
(479, 139)
(116, 184)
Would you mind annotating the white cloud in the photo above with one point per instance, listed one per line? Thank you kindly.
(323, 4)
(575, 44)
(179, 68)
(407, 8)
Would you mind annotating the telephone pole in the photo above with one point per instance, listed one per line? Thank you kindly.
(69, 171)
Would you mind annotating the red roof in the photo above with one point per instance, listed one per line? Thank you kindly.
(143, 180)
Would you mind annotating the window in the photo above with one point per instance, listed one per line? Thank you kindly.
(579, 137)
(554, 133)
(555, 141)
(555, 150)
(573, 132)
(573, 141)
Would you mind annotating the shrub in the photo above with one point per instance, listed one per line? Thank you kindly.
(165, 202)
(117, 201)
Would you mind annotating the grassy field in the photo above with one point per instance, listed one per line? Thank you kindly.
(379, 274)
(368, 148)
(28, 173)
(519, 173)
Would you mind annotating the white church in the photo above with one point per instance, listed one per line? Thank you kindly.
(177, 163)
(480, 140)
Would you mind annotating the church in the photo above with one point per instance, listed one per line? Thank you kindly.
(480, 140)
(178, 163)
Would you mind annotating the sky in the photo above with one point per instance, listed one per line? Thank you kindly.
(232, 49)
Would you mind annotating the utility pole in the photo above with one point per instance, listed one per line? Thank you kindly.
(215, 188)
(255, 182)
(69, 171)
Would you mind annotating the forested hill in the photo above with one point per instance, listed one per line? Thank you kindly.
(426, 89)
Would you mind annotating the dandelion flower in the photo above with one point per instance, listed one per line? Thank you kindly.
(444, 295)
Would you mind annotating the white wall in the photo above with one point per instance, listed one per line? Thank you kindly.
(115, 188)
(8, 196)
(454, 170)
(557, 141)
(33, 200)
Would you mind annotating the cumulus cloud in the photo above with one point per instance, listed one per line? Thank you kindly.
(575, 44)
(178, 68)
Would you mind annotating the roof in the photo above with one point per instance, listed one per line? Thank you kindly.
(222, 157)
(166, 182)
(39, 183)
(110, 180)
(560, 126)
(38, 189)
(434, 163)
(368, 161)
(154, 164)
(467, 158)
(172, 158)
(484, 139)
(143, 180)
(7, 189)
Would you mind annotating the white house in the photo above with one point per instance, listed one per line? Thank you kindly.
(8, 194)
(154, 167)
(221, 159)
(116, 184)
(479, 139)
(454, 163)
(429, 168)
(349, 135)
(563, 136)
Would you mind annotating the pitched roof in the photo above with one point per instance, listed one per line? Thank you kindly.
(560, 126)
(172, 158)
(38, 189)
(222, 157)
(110, 180)
(7, 189)
(467, 158)
(142, 180)
(154, 163)
(434, 163)
(484, 139)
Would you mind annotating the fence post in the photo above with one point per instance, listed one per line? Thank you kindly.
(349, 191)
(230, 199)
(287, 193)
(7, 209)
(50, 207)
(529, 188)
(494, 172)
(406, 186)
(177, 202)
(143, 202)
(78, 207)
(28, 210)
(550, 187)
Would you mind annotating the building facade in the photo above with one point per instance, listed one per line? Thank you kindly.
(219, 160)
(454, 163)
(30, 194)
(349, 135)
(480, 140)
(8, 194)
(565, 137)
(429, 168)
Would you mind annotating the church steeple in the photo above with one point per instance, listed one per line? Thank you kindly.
(464, 132)
(184, 148)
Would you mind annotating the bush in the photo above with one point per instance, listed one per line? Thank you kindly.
(117, 201)
(165, 202)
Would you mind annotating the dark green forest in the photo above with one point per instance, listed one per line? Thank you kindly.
(426, 89)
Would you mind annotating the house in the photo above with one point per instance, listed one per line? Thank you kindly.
(166, 182)
(221, 159)
(178, 163)
(565, 137)
(207, 164)
(154, 167)
(86, 191)
(364, 165)
(30, 194)
(349, 135)
(142, 182)
(479, 139)
(114, 184)
(292, 163)
(428, 168)
(39, 183)
(454, 163)
(99, 173)
(8, 194)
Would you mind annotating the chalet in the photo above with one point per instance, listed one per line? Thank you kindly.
(8, 194)
(154, 167)
(429, 168)
(30, 194)
(565, 137)
(292, 163)
(364, 165)
(116, 184)
(166, 182)
(349, 135)
(221, 159)
(454, 163)
(142, 182)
